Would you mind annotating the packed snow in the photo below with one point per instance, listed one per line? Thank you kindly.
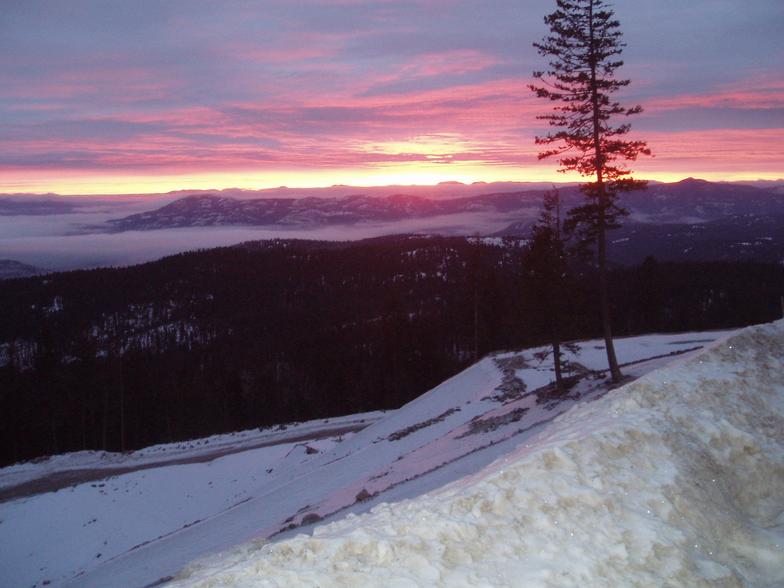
(676, 479)
(146, 525)
(192, 450)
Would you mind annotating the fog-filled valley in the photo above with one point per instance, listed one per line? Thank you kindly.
(737, 221)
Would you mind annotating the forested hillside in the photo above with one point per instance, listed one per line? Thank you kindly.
(277, 331)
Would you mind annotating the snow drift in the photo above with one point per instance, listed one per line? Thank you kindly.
(675, 480)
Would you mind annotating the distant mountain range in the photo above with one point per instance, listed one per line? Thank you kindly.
(211, 210)
(691, 220)
(688, 201)
(746, 237)
(10, 268)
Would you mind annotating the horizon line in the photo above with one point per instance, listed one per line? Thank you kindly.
(445, 184)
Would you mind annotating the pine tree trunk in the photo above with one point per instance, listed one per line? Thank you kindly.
(557, 360)
(84, 421)
(53, 425)
(122, 416)
(105, 417)
(601, 237)
(476, 323)
(604, 303)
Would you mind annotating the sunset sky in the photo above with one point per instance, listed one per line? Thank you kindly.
(110, 96)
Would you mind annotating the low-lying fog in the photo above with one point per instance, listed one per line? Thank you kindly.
(53, 242)
(76, 238)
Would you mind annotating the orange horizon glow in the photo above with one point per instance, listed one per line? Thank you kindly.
(138, 185)
(715, 154)
(479, 147)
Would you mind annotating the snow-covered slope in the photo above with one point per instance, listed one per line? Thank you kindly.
(146, 525)
(676, 479)
(14, 479)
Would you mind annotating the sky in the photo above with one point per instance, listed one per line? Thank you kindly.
(111, 96)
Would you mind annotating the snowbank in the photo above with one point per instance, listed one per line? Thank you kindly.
(676, 480)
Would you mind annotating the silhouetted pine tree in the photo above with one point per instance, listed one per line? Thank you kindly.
(545, 262)
(583, 47)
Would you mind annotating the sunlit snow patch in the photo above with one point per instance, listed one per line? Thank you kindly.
(676, 479)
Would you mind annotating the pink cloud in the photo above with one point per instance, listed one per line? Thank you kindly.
(494, 123)
(459, 61)
(729, 151)
(123, 84)
(752, 93)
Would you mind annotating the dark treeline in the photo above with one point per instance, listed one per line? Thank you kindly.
(266, 333)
